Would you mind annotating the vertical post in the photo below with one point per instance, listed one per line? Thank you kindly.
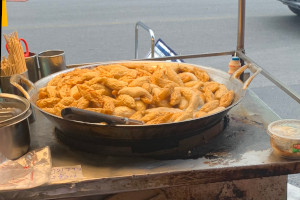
(144, 26)
(241, 25)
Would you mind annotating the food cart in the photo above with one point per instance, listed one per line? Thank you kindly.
(236, 163)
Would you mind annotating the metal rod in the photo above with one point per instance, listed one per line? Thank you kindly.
(241, 25)
(266, 74)
(144, 26)
(192, 56)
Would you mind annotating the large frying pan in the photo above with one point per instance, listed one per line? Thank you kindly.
(92, 132)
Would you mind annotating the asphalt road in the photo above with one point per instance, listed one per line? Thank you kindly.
(103, 30)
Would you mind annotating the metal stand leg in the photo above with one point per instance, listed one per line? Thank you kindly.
(144, 26)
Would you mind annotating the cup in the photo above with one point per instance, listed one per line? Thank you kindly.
(51, 61)
(33, 67)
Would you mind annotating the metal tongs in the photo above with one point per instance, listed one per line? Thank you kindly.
(77, 114)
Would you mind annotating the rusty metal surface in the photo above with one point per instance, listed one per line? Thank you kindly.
(242, 151)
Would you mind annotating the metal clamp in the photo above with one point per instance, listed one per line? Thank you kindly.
(144, 26)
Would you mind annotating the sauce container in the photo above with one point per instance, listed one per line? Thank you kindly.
(285, 138)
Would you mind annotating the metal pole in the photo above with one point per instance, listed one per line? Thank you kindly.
(241, 25)
(266, 74)
(144, 26)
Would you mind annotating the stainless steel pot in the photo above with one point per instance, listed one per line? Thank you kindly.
(14, 128)
(92, 132)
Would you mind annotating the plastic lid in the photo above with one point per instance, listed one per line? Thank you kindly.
(235, 58)
(287, 128)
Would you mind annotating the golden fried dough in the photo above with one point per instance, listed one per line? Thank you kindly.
(123, 111)
(137, 115)
(52, 92)
(221, 91)
(202, 75)
(155, 93)
(163, 109)
(209, 96)
(140, 81)
(210, 106)
(183, 116)
(140, 106)
(74, 92)
(115, 84)
(211, 86)
(173, 76)
(175, 97)
(43, 94)
(200, 113)
(48, 102)
(227, 99)
(125, 100)
(161, 119)
(187, 76)
(218, 109)
(184, 103)
(136, 92)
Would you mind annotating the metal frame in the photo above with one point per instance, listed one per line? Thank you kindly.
(240, 51)
(144, 26)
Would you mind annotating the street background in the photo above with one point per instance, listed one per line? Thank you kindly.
(103, 30)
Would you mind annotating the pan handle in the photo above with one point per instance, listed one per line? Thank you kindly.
(254, 69)
(16, 79)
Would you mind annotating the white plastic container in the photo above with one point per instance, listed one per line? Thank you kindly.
(285, 138)
(234, 64)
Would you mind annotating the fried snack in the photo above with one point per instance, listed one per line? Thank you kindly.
(137, 92)
(123, 111)
(163, 109)
(200, 113)
(153, 93)
(64, 91)
(187, 77)
(82, 103)
(151, 115)
(115, 84)
(125, 100)
(201, 75)
(51, 91)
(47, 103)
(175, 97)
(211, 86)
(140, 106)
(138, 115)
(183, 103)
(194, 102)
(183, 116)
(209, 95)
(221, 91)
(139, 82)
(173, 76)
(74, 92)
(209, 106)
(218, 109)
(43, 94)
(161, 119)
(227, 99)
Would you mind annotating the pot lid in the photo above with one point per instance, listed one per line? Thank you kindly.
(12, 107)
